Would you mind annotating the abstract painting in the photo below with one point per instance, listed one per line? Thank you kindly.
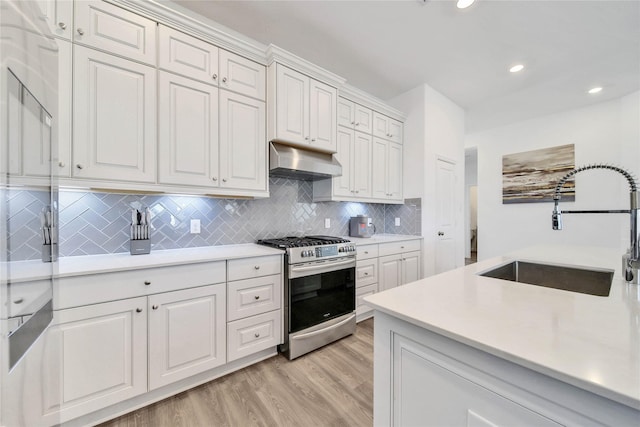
(531, 176)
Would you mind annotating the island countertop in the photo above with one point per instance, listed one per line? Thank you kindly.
(591, 342)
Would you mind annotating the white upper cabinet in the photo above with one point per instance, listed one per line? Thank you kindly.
(107, 27)
(62, 162)
(354, 116)
(241, 75)
(59, 16)
(305, 110)
(187, 131)
(387, 128)
(187, 56)
(114, 118)
(386, 170)
(243, 148)
(362, 165)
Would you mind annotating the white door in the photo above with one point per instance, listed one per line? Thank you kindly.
(342, 184)
(187, 333)
(187, 56)
(363, 119)
(322, 116)
(445, 216)
(243, 142)
(346, 113)
(188, 131)
(241, 75)
(380, 125)
(395, 130)
(379, 169)
(390, 271)
(292, 106)
(362, 164)
(411, 264)
(114, 117)
(102, 352)
(394, 171)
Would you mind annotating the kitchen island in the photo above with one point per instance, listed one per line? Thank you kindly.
(462, 349)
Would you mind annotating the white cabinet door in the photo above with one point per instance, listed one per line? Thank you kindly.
(380, 125)
(390, 271)
(362, 164)
(187, 55)
(36, 138)
(187, 333)
(102, 353)
(395, 131)
(62, 162)
(253, 296)
(114, 117)
(379, 169)
(107, 27)
(411, 263)
(363, 119)
(243, 76)
(292, 106)
(346, 113)
(342, 185)
(322, 119)
(252, 334)
(59, 16)
(243, 147)
(361, 293)
(188, 131)
(394, 171)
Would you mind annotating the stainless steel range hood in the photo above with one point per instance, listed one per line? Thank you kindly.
(298, 163)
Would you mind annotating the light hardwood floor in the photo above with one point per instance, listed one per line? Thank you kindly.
(332, 386)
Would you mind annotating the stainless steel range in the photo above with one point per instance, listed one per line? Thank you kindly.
(320, 291)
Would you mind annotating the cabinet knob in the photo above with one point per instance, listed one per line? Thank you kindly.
(62, 25)
(224, 179)
(257, 297)
(401, 247)
(79, 166)
(313, 140)
(214, 178)
(61, 164)
(146, 282)
(306, 138)
(138, 310)
(357, 124)
(357, 191)
(366, 252)
(440, 233)
(257, 267)
(224, 80)
(215, 76)
(155, 306)
(366, 273)
(81, 31)
(257, 335)
(353, 123)
(18, 301)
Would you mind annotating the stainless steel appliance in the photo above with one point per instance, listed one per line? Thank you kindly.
(361, 226)
(320, 284)
(298, 163)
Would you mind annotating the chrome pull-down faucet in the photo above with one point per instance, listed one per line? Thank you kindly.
(630, 260)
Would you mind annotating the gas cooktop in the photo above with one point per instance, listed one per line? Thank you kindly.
(310, 248)
(298, 242)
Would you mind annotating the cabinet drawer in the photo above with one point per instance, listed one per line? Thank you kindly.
(241, 75)
(187, 56)
(247, 336)
(361, 293)
(107, 27)
(366, 272)
(366, 252)
(95, 288)
(253, 296)
(399, 247)
(247, 268)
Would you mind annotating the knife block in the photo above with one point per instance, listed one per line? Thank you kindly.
(140, 247)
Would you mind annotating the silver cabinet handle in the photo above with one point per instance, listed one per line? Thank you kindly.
(257, 267)
(357, 124)
(366, 252)
(401, 247)
(313, 140)
(224, 179)
(306, 138)
(81, 31)
(79, 166)
(155, 306)
(214, 178)
(146, 282)
(224, 80)
(215, 76)
(366, 273)
(61, 164)
(138, 310)
(257, 297)
(440, 233)
(257, 335)
(19, 301)
(62, 25)
(353, 123)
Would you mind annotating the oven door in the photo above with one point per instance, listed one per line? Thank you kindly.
(320, 291)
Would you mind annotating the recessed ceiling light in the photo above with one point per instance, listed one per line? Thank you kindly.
(462, 4)
(516, 68)
(595, 90)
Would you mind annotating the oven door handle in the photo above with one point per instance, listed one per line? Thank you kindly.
(322, 267)
(323, 330)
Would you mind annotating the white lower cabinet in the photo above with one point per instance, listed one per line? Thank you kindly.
(366, 284)
(399, 269)
(252, 334)
(186, 333)
(101, 350)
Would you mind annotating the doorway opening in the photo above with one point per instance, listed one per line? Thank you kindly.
(471, 204)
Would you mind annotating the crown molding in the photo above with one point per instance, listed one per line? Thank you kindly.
(363, 98)
(281, 56)
(175, 16)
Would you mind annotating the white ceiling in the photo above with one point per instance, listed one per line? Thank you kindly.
(388, 47)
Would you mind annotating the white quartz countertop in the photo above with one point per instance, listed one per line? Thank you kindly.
(588, 341)
(95, 264)
(381, 238)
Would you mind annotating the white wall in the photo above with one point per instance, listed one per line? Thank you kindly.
(606, 132)
(434, 129)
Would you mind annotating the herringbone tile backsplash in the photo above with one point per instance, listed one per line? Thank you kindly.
(98, 223)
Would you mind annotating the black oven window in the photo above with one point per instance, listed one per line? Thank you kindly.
(321, 297)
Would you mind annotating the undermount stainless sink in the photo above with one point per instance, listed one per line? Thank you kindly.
(575, 279)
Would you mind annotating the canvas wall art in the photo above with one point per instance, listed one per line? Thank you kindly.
(531, 176)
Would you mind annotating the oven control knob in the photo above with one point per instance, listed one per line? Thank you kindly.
(303, 254)
(342, 249)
